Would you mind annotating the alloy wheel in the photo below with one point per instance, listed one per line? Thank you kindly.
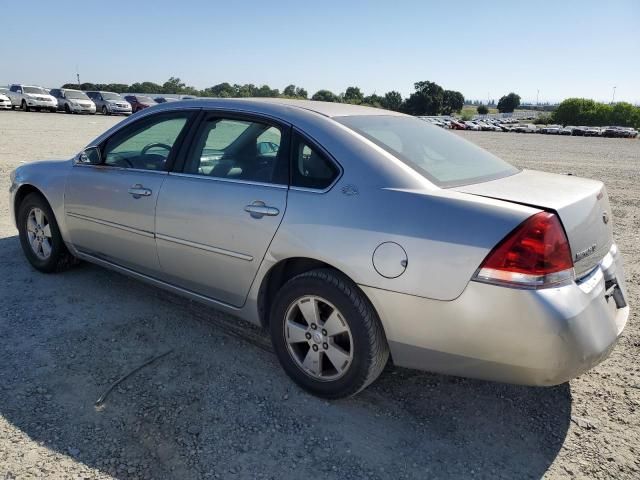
(39, 233)
(318, 338)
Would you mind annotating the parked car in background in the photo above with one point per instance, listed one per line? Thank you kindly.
(551, 129)
(110, 103)
(566, 131)
(592, 132)
(5, 101)
(166, 99)
(139, 102)
(456, 125)
(73, 101)
(510, 275)
(29, 97)
(471, 125)
(578, 131)
(526, 128)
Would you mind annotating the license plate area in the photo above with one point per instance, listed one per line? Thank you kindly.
(613, 292)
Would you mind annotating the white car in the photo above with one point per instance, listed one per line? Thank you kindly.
(472, 125)
(5, 102)
(73, 101)
(30, 97)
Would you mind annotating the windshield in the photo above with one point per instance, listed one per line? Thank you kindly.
(111, 96)
(75, 94)
(36, 90)
(442, 157)
(143, 99)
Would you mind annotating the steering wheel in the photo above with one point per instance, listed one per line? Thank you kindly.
(154, 145)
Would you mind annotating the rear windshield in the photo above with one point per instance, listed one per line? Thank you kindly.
(444, 158)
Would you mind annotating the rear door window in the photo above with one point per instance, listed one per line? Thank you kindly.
(239, 149)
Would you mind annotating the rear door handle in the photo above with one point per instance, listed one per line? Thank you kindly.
(258, 209)
(138, 191)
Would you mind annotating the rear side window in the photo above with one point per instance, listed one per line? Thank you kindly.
(442, 157)
(310, 168)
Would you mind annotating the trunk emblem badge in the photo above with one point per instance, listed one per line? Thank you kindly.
(605, 217)
(585, 253)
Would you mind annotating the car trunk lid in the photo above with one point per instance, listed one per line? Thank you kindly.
(582, 205)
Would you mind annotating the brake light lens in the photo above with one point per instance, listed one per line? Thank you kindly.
(535, 255)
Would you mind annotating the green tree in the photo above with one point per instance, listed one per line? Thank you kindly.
(146, 87)
(289, 91)
(426, 100)
(353, 95)
(373, 100)
(452, 101)
(325, 96)
(246, 90)
(223, 90)
(392, 101)
(301, 93)
(266, 91)
(482, 109)
(508, 103)
(173, 85)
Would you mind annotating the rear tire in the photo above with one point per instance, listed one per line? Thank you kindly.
(40, 236)
(350, 350)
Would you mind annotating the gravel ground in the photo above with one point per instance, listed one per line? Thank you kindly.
(219, 406)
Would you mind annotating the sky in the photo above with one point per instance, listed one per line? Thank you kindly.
(482, 48)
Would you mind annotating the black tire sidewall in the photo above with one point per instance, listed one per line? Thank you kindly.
(33, 200)
(352, 381)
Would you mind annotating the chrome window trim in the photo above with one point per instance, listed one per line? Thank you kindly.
(228, 180)
(207, 248)
(103, 166)
(106, 223)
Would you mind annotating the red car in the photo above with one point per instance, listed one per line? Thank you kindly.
(139, 102)
(458, 125)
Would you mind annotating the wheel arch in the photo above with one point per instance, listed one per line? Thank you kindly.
(21, 194)
(281, 273)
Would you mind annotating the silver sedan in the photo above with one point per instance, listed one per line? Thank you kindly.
(351, 234)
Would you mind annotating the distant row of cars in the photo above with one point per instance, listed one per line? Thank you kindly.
(30, 97)
(512, 125)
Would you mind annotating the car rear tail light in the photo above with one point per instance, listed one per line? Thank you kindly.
(534, 255)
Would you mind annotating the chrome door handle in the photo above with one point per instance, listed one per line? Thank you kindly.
(258, 209)
(138, 191)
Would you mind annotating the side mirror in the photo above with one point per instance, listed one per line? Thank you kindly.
(89, 156)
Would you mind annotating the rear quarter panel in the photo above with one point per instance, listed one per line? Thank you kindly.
(446, 235)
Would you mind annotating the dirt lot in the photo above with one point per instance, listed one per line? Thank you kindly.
(220, 407)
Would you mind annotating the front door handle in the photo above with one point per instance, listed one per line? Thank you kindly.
(258, 209)
(138, 191)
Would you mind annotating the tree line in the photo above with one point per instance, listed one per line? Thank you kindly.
(583, 111)
(429, 98)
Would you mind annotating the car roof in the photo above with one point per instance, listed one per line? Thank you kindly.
(277, 105)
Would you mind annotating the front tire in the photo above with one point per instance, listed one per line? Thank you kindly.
(25, 107)
(40, 236)
(105, 111)
(66, 108)
(327, 335)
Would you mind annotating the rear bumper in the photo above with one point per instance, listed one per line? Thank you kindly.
(531, 337)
